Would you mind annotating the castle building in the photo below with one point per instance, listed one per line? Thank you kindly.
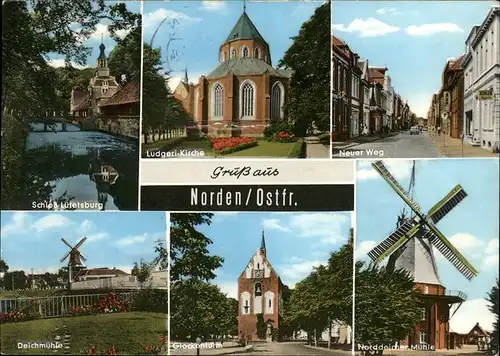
(102, 86)
(259, 296)
(244, 92)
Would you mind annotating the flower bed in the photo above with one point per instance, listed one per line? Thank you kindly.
(12, 317)
(227, 145)
(284, 137)
(110, 304)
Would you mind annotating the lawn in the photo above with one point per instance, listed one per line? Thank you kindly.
(264, 149)
(129, 333)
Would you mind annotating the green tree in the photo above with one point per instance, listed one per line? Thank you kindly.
(4, 267)
(308, 103)
(189, 255)
(199, 309)
(387, 304)
(15, 280)
(494, 300)
(124, 60)
(142, 271)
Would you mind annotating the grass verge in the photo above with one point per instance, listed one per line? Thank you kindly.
(129, 333)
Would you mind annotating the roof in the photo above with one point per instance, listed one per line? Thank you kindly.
(341, 45)
(126, 95)
(457, 65)
(417, 257)
(244, 30)
(247, 66)
(377, 74)
(101, 271)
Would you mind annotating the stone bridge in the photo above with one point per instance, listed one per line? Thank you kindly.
(124, 125)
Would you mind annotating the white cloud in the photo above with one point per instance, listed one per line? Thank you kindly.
(399, 169)
(51, 221)
(174, 80)
(432, 29)
(464, 241)
(17, 224)
(326, 227)
(230, 288)
(472, 312)
(363, 248)
(214, 5)
(102, 32)
(60, 62)
(367, 28)
(132, 240)
(296, 272)
(97, 236)
(274, 224)
(154, 18)
(387, 11)
(490, 258)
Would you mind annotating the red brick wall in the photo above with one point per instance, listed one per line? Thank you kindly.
(247, 324)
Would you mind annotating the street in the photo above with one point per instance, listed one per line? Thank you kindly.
(401, 145)
(288, 348)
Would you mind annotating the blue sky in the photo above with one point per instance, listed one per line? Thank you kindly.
(33, 240)
(202, 26)
(413, 38)
(472, 226)
(295, 243)
(57, 60)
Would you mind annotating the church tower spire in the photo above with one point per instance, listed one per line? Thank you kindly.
(263, 243)
(102, 60)
(186, 78)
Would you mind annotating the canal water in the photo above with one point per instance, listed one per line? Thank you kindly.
(64, 166)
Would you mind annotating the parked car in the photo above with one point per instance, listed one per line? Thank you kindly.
(414, 130)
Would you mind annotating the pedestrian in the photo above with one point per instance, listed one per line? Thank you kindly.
(439, 130)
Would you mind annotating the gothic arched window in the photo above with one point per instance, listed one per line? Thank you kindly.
(217, 101)
(277, 98)
(256, 52)
(247, 100)
(244, 52)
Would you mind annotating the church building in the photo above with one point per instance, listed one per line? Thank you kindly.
(243, 93)
(259, 292)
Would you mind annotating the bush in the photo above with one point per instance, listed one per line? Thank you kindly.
(151, 300)
(324, 137)
(241, 147)
(226, 145)
(278, 126)
(111, 304)
(284, 137)
(298, 150)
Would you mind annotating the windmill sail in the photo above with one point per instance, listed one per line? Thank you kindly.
(445, 205)
(445, 247)
(423, 226)
(395, 239)
(384, 172)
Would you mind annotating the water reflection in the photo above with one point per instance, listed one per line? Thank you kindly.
(82, 166)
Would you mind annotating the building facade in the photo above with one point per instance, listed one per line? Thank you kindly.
(341, 89)
(243, 93)
(259, 297)
(481, 66)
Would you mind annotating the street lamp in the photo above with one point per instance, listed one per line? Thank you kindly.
(198, 343)
(444, 116)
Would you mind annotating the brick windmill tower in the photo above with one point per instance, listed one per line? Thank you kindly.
(259, 297)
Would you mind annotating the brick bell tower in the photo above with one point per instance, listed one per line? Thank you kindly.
(259, 292)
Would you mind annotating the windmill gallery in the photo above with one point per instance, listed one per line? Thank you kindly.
(410, 247)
